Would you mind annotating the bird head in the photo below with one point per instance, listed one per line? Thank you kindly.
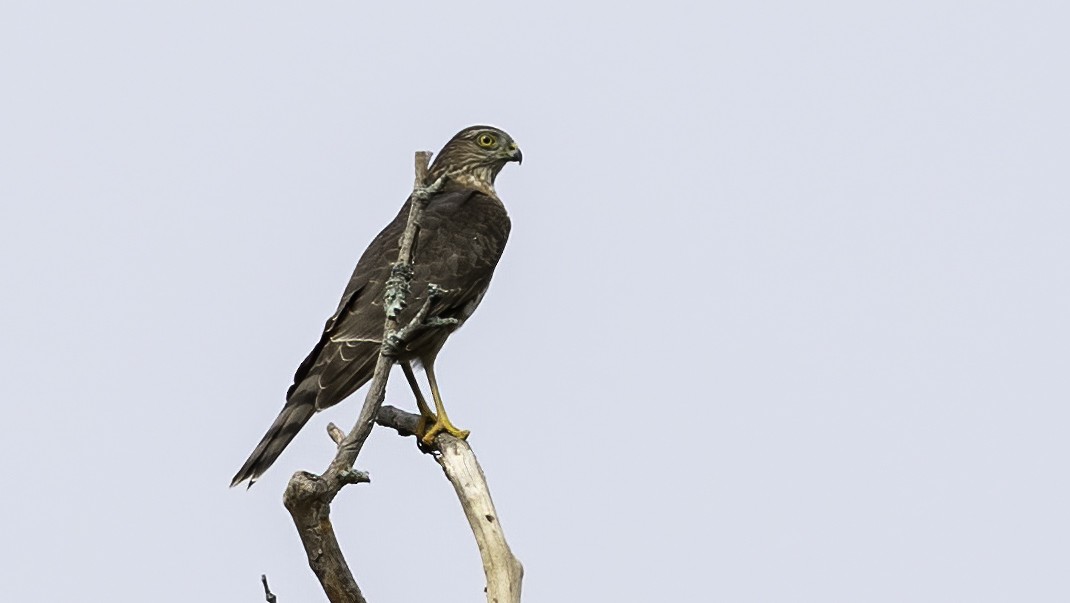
(476, 153)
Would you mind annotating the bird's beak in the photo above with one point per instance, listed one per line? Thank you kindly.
(515, 154)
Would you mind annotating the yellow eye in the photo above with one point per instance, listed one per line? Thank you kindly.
(486, 141)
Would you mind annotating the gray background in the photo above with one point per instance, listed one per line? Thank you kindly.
(783, 316)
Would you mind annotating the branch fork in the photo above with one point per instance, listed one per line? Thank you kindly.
(394, 342)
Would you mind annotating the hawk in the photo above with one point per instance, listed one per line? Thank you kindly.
(462, 234)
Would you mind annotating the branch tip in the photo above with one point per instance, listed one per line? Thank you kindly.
(267, 591)
(336, 434)
(352, 476)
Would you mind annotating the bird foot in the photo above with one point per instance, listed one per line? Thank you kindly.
(427, 418)
(440, 424)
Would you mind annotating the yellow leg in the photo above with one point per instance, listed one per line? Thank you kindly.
(426, 416)
(442, 422)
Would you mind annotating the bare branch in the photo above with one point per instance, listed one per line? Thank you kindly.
(503, 570)
(267, 591)
(404, 423)
(393, 343)
(336, 434)
(308, 497)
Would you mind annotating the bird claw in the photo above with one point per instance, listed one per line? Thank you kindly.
(428, 436)
(425, 438)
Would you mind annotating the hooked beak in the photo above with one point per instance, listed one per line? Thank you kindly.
(515, 154)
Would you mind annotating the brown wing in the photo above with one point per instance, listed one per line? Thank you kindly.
(339, 363)
(461, 238)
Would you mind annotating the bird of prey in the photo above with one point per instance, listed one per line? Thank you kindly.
(461, 236)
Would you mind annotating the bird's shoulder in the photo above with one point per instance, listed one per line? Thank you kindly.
(464, 212)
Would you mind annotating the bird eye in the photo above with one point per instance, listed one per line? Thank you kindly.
(486, 141)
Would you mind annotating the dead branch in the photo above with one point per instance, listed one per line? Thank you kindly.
(503, 570)
(308, 497)
(270, 596)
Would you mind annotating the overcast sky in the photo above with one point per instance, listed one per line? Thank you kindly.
(783, 318)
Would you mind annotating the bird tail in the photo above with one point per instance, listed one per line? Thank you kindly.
(298, 410)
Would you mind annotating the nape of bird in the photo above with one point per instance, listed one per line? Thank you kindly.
(462, 234)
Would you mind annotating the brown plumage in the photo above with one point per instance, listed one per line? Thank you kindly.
(462, 234)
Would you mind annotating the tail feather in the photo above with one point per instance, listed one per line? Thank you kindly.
(293, 417)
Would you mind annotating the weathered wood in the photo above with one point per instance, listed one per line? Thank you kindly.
(503, 570)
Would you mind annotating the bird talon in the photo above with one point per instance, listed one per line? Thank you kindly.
(428, 435)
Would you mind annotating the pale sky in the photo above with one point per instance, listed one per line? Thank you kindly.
(783, 318)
